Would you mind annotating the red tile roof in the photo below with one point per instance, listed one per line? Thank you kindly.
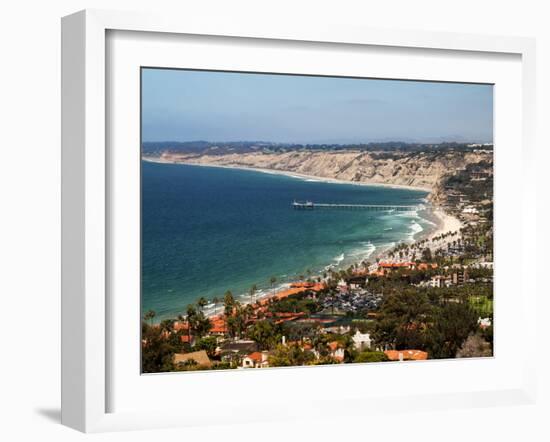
(426, 266)
(302, 284)
(395, 265)
(408, 355)
(179, 325)
(218, 325)
(256, 356)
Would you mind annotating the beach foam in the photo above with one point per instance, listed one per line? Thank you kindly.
(415, 229)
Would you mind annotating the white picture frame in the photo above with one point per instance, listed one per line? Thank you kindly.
(86, 206)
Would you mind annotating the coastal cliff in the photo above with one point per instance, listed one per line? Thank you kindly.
(416, 169)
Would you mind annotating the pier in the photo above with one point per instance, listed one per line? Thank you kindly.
(309, 205)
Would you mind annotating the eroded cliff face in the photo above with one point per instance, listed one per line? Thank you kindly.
(419, 169)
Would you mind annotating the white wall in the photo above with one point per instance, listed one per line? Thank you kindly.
(29, 219)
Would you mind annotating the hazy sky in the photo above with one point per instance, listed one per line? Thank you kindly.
(179, 105)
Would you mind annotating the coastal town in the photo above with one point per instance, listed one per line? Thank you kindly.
(429, 298)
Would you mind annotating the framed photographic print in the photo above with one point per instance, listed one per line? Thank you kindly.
(249, 209)
(315, 245)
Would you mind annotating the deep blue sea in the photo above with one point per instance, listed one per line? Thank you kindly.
(206, 230)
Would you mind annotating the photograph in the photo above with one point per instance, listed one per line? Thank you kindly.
(292, 220)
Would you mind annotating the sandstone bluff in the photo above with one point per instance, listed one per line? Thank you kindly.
(417, 169)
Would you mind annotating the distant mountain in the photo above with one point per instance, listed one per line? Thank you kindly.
(232, 147)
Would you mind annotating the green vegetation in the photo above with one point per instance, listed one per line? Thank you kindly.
(430, 298)
(482, 304)
(265, 334)
(371, 356)
(290, 355)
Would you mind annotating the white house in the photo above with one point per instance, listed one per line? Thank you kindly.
(470, 209)
(484, 322)
(256, 360)
(336, 351)
(361, 341)
(439, 281)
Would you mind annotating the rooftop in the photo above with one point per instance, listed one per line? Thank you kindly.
(406, 355)
(200, 357)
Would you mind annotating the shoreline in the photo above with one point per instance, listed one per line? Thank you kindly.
(443, 221)
(289, 174)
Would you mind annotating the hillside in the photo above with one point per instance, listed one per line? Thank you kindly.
(424, 169)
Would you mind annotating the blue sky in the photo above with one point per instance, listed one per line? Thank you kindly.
(179, 105)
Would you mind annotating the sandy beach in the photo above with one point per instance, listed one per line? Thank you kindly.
(446, 223)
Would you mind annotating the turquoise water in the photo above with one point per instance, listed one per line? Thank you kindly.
(206, 230)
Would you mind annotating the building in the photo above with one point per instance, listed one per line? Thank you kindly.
(470, 209)
(483, 265)
(406, 355)
(256, 360)
(336, 351)
(480, 176)
(395, 265)
(197, 357)
(439, 281)
(236, 350)
(426, 266)
(357, 281)
(342, 286)
(338, 329)
(219, 326)
(459, 277)
(361, 341)
(484, 323)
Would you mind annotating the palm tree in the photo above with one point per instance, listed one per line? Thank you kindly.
(272, 281)
(249, 311)
(252, 292)
(167, 325)
(229, 303)
(149, 316)
(202, 302)
(191, 315)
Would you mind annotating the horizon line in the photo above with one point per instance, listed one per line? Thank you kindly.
(321, 143)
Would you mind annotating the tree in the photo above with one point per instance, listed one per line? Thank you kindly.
(252, 292)
(149, 316)
(236, 323)
(156, 351)
(427, 254)
(191, 318)
(229, 303)
(272, 281)
(264, 333)
(290, 355)
(167, 325)
(208, 343)
(201, 303)
(402, 320)
(452, 323)
(371, 356)
(474, 347)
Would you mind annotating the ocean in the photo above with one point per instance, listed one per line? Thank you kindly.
(206, 230)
